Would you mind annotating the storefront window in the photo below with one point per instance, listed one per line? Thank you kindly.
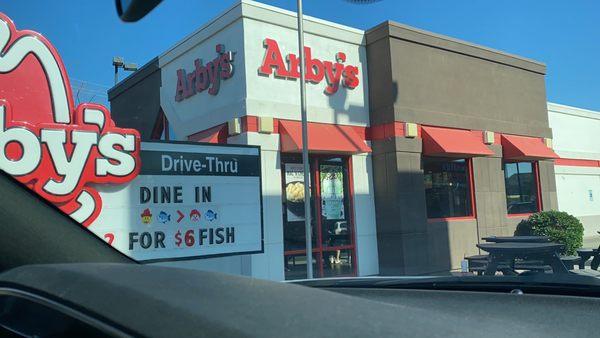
(521, 187)
(332, 231)
(447, 187)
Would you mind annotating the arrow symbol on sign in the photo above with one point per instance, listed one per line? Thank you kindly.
(181, 215)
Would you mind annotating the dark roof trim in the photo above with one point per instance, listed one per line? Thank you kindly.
(403, 32)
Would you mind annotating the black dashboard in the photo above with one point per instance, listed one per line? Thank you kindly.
(153, 301)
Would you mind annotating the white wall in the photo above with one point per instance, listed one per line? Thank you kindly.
(268, 265)
(280, 98)
(242, 29)
(576, 135)
(574, 185)
(364, 215)
(202, 111)
(575, 131)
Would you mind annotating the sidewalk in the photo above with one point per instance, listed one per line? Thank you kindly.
(591, 242)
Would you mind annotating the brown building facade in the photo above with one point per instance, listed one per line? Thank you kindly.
(421, 78)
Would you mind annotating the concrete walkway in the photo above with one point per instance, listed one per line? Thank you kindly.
(591, 242)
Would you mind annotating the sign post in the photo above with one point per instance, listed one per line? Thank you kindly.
(308, 232)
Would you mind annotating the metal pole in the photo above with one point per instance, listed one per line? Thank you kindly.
(116, 75)
(308, 232)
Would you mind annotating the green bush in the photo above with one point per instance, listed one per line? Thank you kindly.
(559, 226)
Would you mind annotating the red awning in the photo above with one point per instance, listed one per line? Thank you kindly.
(452, 143)
(216, 134)
(525, 148)
(321, 138)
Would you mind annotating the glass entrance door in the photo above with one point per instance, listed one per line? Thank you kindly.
(332, 231)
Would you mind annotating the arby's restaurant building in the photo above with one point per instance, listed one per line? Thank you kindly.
(420, 144)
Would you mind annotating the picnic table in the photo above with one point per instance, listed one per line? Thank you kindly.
(506, 253)
(587, 253)
(517, 239)
(478, 263)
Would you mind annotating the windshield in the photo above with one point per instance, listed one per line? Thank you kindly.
(418, 139)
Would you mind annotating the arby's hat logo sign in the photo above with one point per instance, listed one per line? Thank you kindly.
(317, 70)
(56, 149)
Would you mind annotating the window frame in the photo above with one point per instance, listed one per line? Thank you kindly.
(536, 178)
(471, 182)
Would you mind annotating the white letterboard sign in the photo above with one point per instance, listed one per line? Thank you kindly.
(189, 201)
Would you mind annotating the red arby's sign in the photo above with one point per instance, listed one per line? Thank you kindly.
(316, 70)
(205, 76)
(56, 149)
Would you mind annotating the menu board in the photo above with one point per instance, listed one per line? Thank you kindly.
(189, 201)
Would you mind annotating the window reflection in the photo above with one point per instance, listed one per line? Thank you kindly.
(521, 188)
(334, 224)
(447, 187)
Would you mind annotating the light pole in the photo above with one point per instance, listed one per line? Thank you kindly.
(119, 63)
(307, 227)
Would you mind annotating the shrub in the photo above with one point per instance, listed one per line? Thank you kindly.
(558, 225)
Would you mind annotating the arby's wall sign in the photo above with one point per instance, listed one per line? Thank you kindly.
(202, 80)
(315, 70)
(335, 71)
(204, 77)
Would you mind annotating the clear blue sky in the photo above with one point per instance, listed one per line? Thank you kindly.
(563, 34)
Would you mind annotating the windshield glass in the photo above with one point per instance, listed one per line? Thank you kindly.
(402, 139)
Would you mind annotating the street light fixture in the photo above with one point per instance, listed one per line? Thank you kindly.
(118, 62)
(132, 67)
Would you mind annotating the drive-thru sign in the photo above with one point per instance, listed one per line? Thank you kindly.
(189, 200)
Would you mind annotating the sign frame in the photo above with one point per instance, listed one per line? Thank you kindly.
(199, 257)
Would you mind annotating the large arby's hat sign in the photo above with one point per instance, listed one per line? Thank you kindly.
(56, 149)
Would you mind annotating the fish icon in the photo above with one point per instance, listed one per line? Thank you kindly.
(164, 217)
(210, 215)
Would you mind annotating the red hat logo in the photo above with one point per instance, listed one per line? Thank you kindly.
(146, 216)
(47, 143)
(195, 215)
